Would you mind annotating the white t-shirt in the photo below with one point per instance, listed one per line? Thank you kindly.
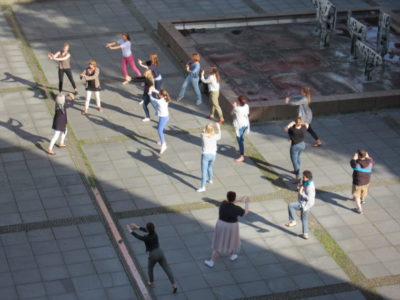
(125, 47)
(210, 143)
(241, 116)
(162, 106)
(213, 84)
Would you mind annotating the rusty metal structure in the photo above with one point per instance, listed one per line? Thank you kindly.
(382, 39)
(371, 58)
(358, 32)
(326, 14)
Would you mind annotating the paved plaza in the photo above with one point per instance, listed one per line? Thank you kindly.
(55, 242)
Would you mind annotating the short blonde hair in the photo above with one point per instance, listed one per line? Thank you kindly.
(92, 62)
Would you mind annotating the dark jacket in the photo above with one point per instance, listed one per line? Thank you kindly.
(60, 117)
(150, 240)
(362, 170)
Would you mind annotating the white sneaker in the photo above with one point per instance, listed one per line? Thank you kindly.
(199, 102)
(163, 148)
(146, 120)
(210, 181)
(200, 190)
(141, 102)
(233, 257)
(209, 263)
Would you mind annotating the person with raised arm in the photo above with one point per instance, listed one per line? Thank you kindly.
(156, 255)
(127, 56)
(226, 238)
(63, 58)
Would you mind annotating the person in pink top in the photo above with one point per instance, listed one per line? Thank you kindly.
(127, 56)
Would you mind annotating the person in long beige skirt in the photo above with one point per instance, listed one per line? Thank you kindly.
(226, 239)
(213, 81)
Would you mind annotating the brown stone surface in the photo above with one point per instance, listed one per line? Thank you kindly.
(270, 62)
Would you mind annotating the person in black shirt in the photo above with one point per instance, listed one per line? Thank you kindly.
(156, 255)
(226, 239)
(153, 64)
(296, 131)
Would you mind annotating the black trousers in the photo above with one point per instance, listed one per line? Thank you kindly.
(312, 132)
(157, 256)
(61, 78)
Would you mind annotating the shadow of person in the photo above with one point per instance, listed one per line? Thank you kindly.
(36, 88)
(16, 127)
(184, 109)
(99, 120)
(331, 198)
(253, 218)
(122, 92)
(154, 161)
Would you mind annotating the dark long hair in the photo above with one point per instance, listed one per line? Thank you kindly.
(150, 228)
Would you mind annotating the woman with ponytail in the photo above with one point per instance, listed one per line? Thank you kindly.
(304, 111)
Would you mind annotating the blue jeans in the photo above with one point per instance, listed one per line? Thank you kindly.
(240, 139)
(207, 161)
(195, 84)
(304, 215)
(160, 128)
(157, 84)
(146, 101)
(295, 151)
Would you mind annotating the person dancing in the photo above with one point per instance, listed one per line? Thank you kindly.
(241, 123)
(127, 56)
(156, 255)
(213, 86)
(152, 64)
(63, 57)
(148, 83)
(91, 74)
(60, 122)
(209, 140)
(161, 104)
(226, 238)
(193, 71)
(304, 111)
(296, 131)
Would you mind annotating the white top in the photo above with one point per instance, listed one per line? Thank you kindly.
(161, 104)
(213, 84)
(307, 197)
(241, 117)
(210, 143)
(125, 47)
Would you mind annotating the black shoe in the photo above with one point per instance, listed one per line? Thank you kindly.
(174, 290)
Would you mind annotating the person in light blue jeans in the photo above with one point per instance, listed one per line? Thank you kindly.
(241, 123)
(193, 76)
(161, 104)
(209, 138)
(296, 130)
(304, 204)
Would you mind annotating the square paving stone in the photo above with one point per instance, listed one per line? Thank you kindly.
(255, 288)
(282, 284)
(228, 291)
(362, 257)
(31, 290)
(390, 291)
(386, 254)
(201, 294)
